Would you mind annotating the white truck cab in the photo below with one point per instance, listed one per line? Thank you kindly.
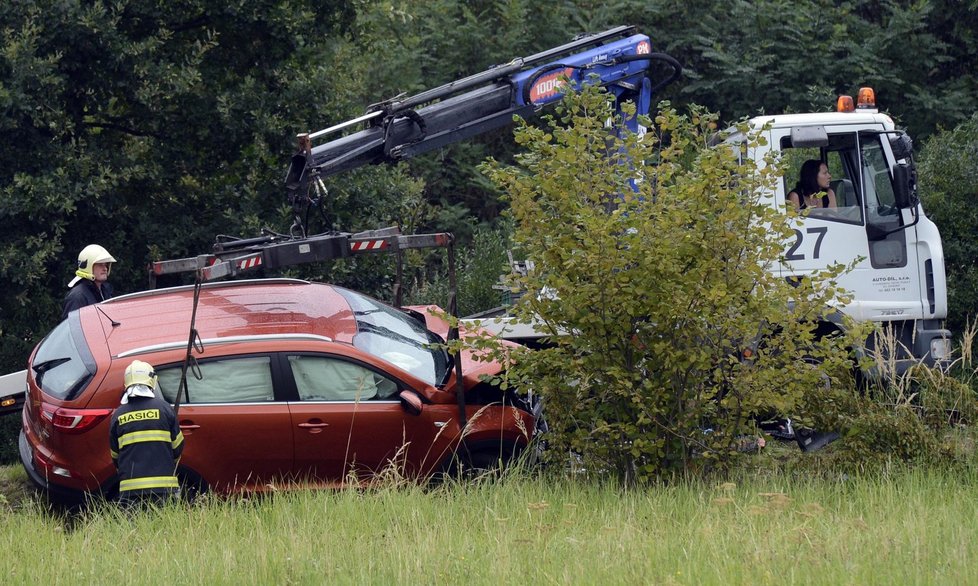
(878, 225)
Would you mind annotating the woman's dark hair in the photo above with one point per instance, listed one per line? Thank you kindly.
(808, 178)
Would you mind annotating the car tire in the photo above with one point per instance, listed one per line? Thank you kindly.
(192, 485)
(485, 460)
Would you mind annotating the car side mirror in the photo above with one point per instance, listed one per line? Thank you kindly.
(411, 402)
(904, 186)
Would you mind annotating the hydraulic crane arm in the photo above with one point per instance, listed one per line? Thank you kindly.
(401, 128)
(617, 59)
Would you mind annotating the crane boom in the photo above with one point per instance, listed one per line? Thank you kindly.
(400, 128)
(617, 59)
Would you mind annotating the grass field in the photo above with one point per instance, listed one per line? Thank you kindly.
(912, 527)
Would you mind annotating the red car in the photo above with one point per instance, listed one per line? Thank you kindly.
(298, 384)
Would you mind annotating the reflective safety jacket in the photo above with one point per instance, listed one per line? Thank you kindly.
(145, 443)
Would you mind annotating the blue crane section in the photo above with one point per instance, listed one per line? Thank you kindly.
(618, 59)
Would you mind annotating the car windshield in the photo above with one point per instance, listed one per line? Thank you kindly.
(63, 364)
(398, 338)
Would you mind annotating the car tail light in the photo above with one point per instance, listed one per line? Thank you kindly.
(73, 420)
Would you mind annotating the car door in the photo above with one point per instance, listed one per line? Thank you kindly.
(347, 418)
(237, 435)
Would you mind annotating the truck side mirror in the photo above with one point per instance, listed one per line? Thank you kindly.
(904, 186)
(902, 146)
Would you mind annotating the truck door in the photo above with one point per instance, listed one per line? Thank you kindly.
(884, 280)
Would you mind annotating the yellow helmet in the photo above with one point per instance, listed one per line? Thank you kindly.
(87, 258)
(140, 373)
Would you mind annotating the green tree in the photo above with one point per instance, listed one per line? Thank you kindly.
(145, 127)
(747, 57)
(948, 176)
(650, 261)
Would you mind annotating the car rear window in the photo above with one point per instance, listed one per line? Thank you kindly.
(63, 365)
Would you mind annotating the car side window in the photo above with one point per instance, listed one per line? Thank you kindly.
(322, 378)
(232, 380)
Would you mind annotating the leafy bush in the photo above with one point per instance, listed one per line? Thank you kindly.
(948, 175)
(650, 257)
(924, 416)
(478, 267)
(9, 428)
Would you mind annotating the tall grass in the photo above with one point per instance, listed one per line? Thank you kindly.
(911, 527)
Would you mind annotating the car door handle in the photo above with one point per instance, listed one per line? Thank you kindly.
(188, 426)
(308, 425)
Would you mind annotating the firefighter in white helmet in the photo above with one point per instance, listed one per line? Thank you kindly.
(90, 284)
(145, 441)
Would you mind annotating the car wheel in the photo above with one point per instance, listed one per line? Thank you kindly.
(192, 485)
(486, 461)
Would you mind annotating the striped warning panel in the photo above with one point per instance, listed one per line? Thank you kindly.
(250, 262)
(365, 245)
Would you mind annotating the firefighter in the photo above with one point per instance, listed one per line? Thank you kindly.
(90, 284)
(144, 440)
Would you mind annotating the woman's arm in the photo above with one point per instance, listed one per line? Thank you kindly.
(794, 198)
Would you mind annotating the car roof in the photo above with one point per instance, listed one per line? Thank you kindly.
(226, 309)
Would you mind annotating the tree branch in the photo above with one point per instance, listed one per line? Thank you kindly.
(125, 129)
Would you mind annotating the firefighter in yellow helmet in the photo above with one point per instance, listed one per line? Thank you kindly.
(145, 441)
(90, 284)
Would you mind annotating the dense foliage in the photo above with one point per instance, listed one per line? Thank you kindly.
(747, 56)
(949, 188)
(145, 127)
(652, 282)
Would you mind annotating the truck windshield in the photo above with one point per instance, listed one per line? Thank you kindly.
(63, 364)
(395, 337)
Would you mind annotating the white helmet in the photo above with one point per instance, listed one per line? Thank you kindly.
(140, 381)
(87, 258)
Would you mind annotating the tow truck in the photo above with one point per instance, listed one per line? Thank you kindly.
(878, 227)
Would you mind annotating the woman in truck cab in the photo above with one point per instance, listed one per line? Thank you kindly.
(812, 189)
